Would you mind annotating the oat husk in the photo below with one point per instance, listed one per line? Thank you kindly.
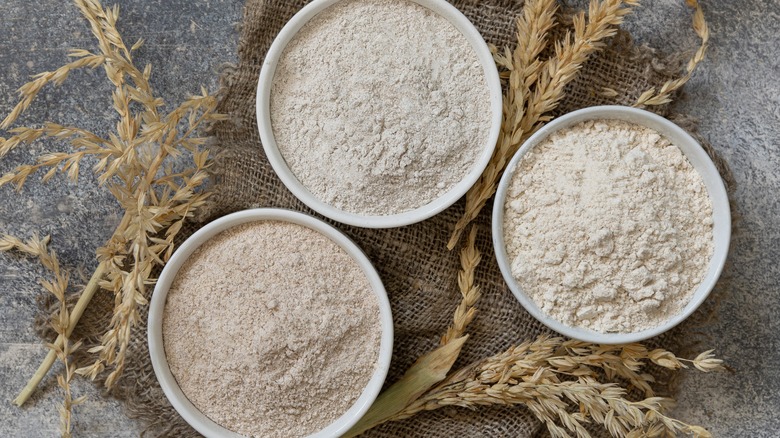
(419, 272)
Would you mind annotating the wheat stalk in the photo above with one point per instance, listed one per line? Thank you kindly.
(558, 380)
(523, 67)
(60, 322)
(470, 292)
(134, 165)
(663, 95)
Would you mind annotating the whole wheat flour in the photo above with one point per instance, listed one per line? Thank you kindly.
(608, 227)
(271, 330)
(379, 106)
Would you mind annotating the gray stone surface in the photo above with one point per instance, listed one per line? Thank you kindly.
(734, 94)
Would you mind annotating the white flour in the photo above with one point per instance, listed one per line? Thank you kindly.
(379, 106)
(271, 330)
(608, 227)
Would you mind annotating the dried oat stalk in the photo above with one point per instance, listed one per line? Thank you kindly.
(135, 163)
(559, 381)
(60, 322)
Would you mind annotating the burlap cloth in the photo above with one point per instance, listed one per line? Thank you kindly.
(417, 269)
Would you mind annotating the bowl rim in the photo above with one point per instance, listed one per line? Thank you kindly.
(170, 387)
(262, 103)
(695, 154)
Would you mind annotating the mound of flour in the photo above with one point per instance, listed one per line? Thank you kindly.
(608, 227)
(271, 330)
(379, 106)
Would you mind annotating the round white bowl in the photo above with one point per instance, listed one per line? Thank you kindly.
(692, 150)
(279, 165)
(183, 406)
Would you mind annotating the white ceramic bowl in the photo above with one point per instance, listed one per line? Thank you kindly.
(701, 162)
(186, 409)
(279, 165)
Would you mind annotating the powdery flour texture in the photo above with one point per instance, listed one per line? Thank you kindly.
(379, 106)
(271, 330)
(608, 226)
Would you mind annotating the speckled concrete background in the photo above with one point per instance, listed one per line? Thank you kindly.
(735, 95)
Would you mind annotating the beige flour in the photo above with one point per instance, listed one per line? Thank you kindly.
(608, 227)
(379, 106)
(271, 330)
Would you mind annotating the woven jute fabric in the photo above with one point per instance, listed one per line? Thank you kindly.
(418, 271)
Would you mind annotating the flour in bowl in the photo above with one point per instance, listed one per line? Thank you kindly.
(608, 226)
(271, 330)
(379, 106)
